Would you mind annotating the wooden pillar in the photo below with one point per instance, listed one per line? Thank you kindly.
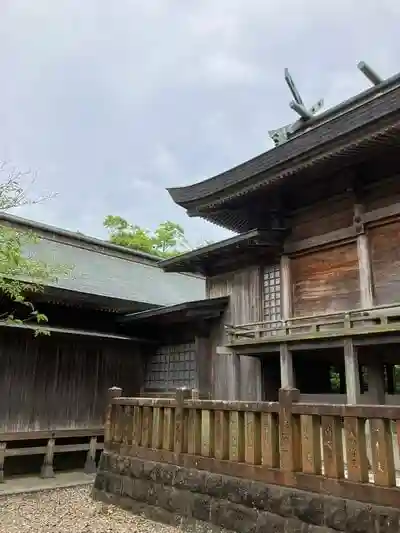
(364, 261)
(286, 288)
(226, 380)
(250, 379)
(287, 371)
(376, 381)
(352, 372)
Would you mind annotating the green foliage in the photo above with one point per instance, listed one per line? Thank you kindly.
(166, 241)
(21, 275)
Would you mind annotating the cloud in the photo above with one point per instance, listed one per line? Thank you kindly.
(112, 102)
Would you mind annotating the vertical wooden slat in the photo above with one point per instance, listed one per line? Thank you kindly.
(356, 449)
(332, 447)
(194, 432)
(179, 430)
(236, 436)
(147, 426)
(311, 444)
(382, 453)
(269, 440)
(157, 433)
(137, 426)
(127, 425)
(3, 446)
(221, 424)
(252, 438)
(207, 433)
(185, 442)
(118, 423)
(168, 437)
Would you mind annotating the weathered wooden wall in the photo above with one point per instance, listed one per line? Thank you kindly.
(323, 217)
(385, 259)
(326, 280)
(61, 382)
(331, 257)
(246, 295)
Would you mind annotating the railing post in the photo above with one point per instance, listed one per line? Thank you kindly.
(113, 392)
(289, 429)
(180, 433)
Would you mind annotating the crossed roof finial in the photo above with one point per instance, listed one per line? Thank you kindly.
(281, 135)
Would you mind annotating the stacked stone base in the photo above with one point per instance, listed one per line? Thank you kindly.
(200, 501)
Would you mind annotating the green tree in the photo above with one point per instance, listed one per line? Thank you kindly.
(20, 275)
(167, 240)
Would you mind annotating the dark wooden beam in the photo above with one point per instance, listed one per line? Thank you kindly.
(333, 237)
(377, 216)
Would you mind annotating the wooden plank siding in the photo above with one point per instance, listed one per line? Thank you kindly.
(59, 382)
(326, 281)
(245, 290)
(385, 260)
(322, 217)
(246, 294)
(382, 193)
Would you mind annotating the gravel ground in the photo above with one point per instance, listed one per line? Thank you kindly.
(69, 511)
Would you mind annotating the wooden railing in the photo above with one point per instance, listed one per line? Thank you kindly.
(347, 451)
(338, 324)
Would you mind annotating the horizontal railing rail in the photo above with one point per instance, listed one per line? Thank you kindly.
(343, 450)
(379, 318)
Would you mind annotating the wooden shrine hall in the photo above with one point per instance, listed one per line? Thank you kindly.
(313, 272)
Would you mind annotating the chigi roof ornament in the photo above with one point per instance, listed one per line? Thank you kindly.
(281, 135)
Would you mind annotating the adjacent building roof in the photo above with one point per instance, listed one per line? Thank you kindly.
(370, 116)
(228, 254)
(103, 269)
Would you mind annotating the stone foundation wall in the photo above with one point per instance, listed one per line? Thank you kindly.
(213, 502)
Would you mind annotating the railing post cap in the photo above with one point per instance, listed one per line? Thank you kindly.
(195, 394)
(183, 393)
(115, 392)
(288, 396)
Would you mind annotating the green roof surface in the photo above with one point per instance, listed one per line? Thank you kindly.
(106, 270)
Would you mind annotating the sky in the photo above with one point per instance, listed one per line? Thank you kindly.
(108, 103)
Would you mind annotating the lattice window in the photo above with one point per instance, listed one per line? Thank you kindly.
(172, 367)
(272, 294)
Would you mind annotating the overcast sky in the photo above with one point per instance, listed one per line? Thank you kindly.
(110, 102)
